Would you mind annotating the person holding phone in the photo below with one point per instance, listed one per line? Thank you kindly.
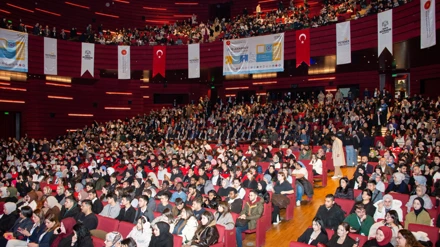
(63, 233)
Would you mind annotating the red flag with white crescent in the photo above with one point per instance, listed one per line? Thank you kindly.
(302, 47)
(159, 60)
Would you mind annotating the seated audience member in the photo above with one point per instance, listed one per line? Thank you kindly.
(164, 203)
(341, 238)
(252, 211)
(204, 185)
(51, 206)
(114, 239)
(216, 178)
(376, 196)
(359, 221)
(420, 192)
(197, 208)
(24, 222)
(316, 234)
(317, 165)
(193, 193)
(96, 203)
(366, 201)
(128, 213)
(419, 215)
(186, 224)
(81, 236)
(369, 169)
(179, 193)
(70, 208)
(385, 205)
(301, 176)
(63, 233)
(224, 217)
(282, 187)
(240, 190)
(37, 227)
(139, 186)
(87, 217)
(207, 233)
(29, 200)
(143, 210)
(398, 185)
(42, 237)
(224, 189)
(234, 201)
(60, 194)
(112, 209)
(330, 213)
(141, 232)
(167, 217)
(178, 207)
(212, 201)
(161, 235)
(99, 182)
(250, 182)
(405, 238)
(392, 221)
(165, 189)
(344, 191)
(358, 183)
(382, 238)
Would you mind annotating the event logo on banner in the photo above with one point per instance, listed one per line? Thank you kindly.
(194, 61)
(124, 62)
(254, 55)
(302, 47)
(13, 51)
(385, 31)
(427, 23)
(159, 60)
(88, 58)
(50, 56)
(343, 43)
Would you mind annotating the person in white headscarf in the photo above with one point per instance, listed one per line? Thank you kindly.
(384, 206)
(141, 232)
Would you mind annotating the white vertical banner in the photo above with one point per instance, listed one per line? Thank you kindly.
(50, 57)
(88, 58)
(194, 61)
(343, 43)
(427, 23)
(385, 31)
(124, 62)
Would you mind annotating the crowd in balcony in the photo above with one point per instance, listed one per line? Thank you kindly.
(184, 169)
(291, 17)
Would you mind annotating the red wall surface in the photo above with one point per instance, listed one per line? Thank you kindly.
(37, 109)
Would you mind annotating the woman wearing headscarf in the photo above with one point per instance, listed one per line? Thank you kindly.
(3, 194)
(268, 179)
(262, 191)
(398, 185)
(64, 233)
(391, 221)
(385, 205)
(141, 232)
(51, 206)
(419, 215)
(224, 189)
(9, 217)
(383, 238)
(153, 178)
(161, 236)
(12, 195)
(420, 192)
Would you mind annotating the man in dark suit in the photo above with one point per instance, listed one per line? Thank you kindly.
(96, 203)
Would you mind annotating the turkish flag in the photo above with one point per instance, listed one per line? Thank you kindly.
(302, 47)
(159, 59)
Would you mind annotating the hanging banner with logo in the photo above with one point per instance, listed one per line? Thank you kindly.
(343, 43)
(385, 31)
(427, 23)
(159, 60)
(50, 56)
(254, 55)
(124, 62)
(302, 47)
(88, 58)
(194, 61)
(13, 51)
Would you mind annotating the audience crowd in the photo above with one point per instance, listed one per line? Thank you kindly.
(283, 18)
(184, 170)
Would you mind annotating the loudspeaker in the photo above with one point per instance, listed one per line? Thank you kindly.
(143, 17)
(52, 115)
(129, 102)
(95, 104)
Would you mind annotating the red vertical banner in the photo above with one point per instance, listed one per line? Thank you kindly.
(302, 47)
(159, 59)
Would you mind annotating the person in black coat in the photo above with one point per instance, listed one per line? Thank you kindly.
(81, 236)
(316, 234)
(23, 222)
(96, 203)
(161, 235)
(128, 213)
(250, 182)
(9, 217)
(330, 213)
(70, 208)
(207, 233)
